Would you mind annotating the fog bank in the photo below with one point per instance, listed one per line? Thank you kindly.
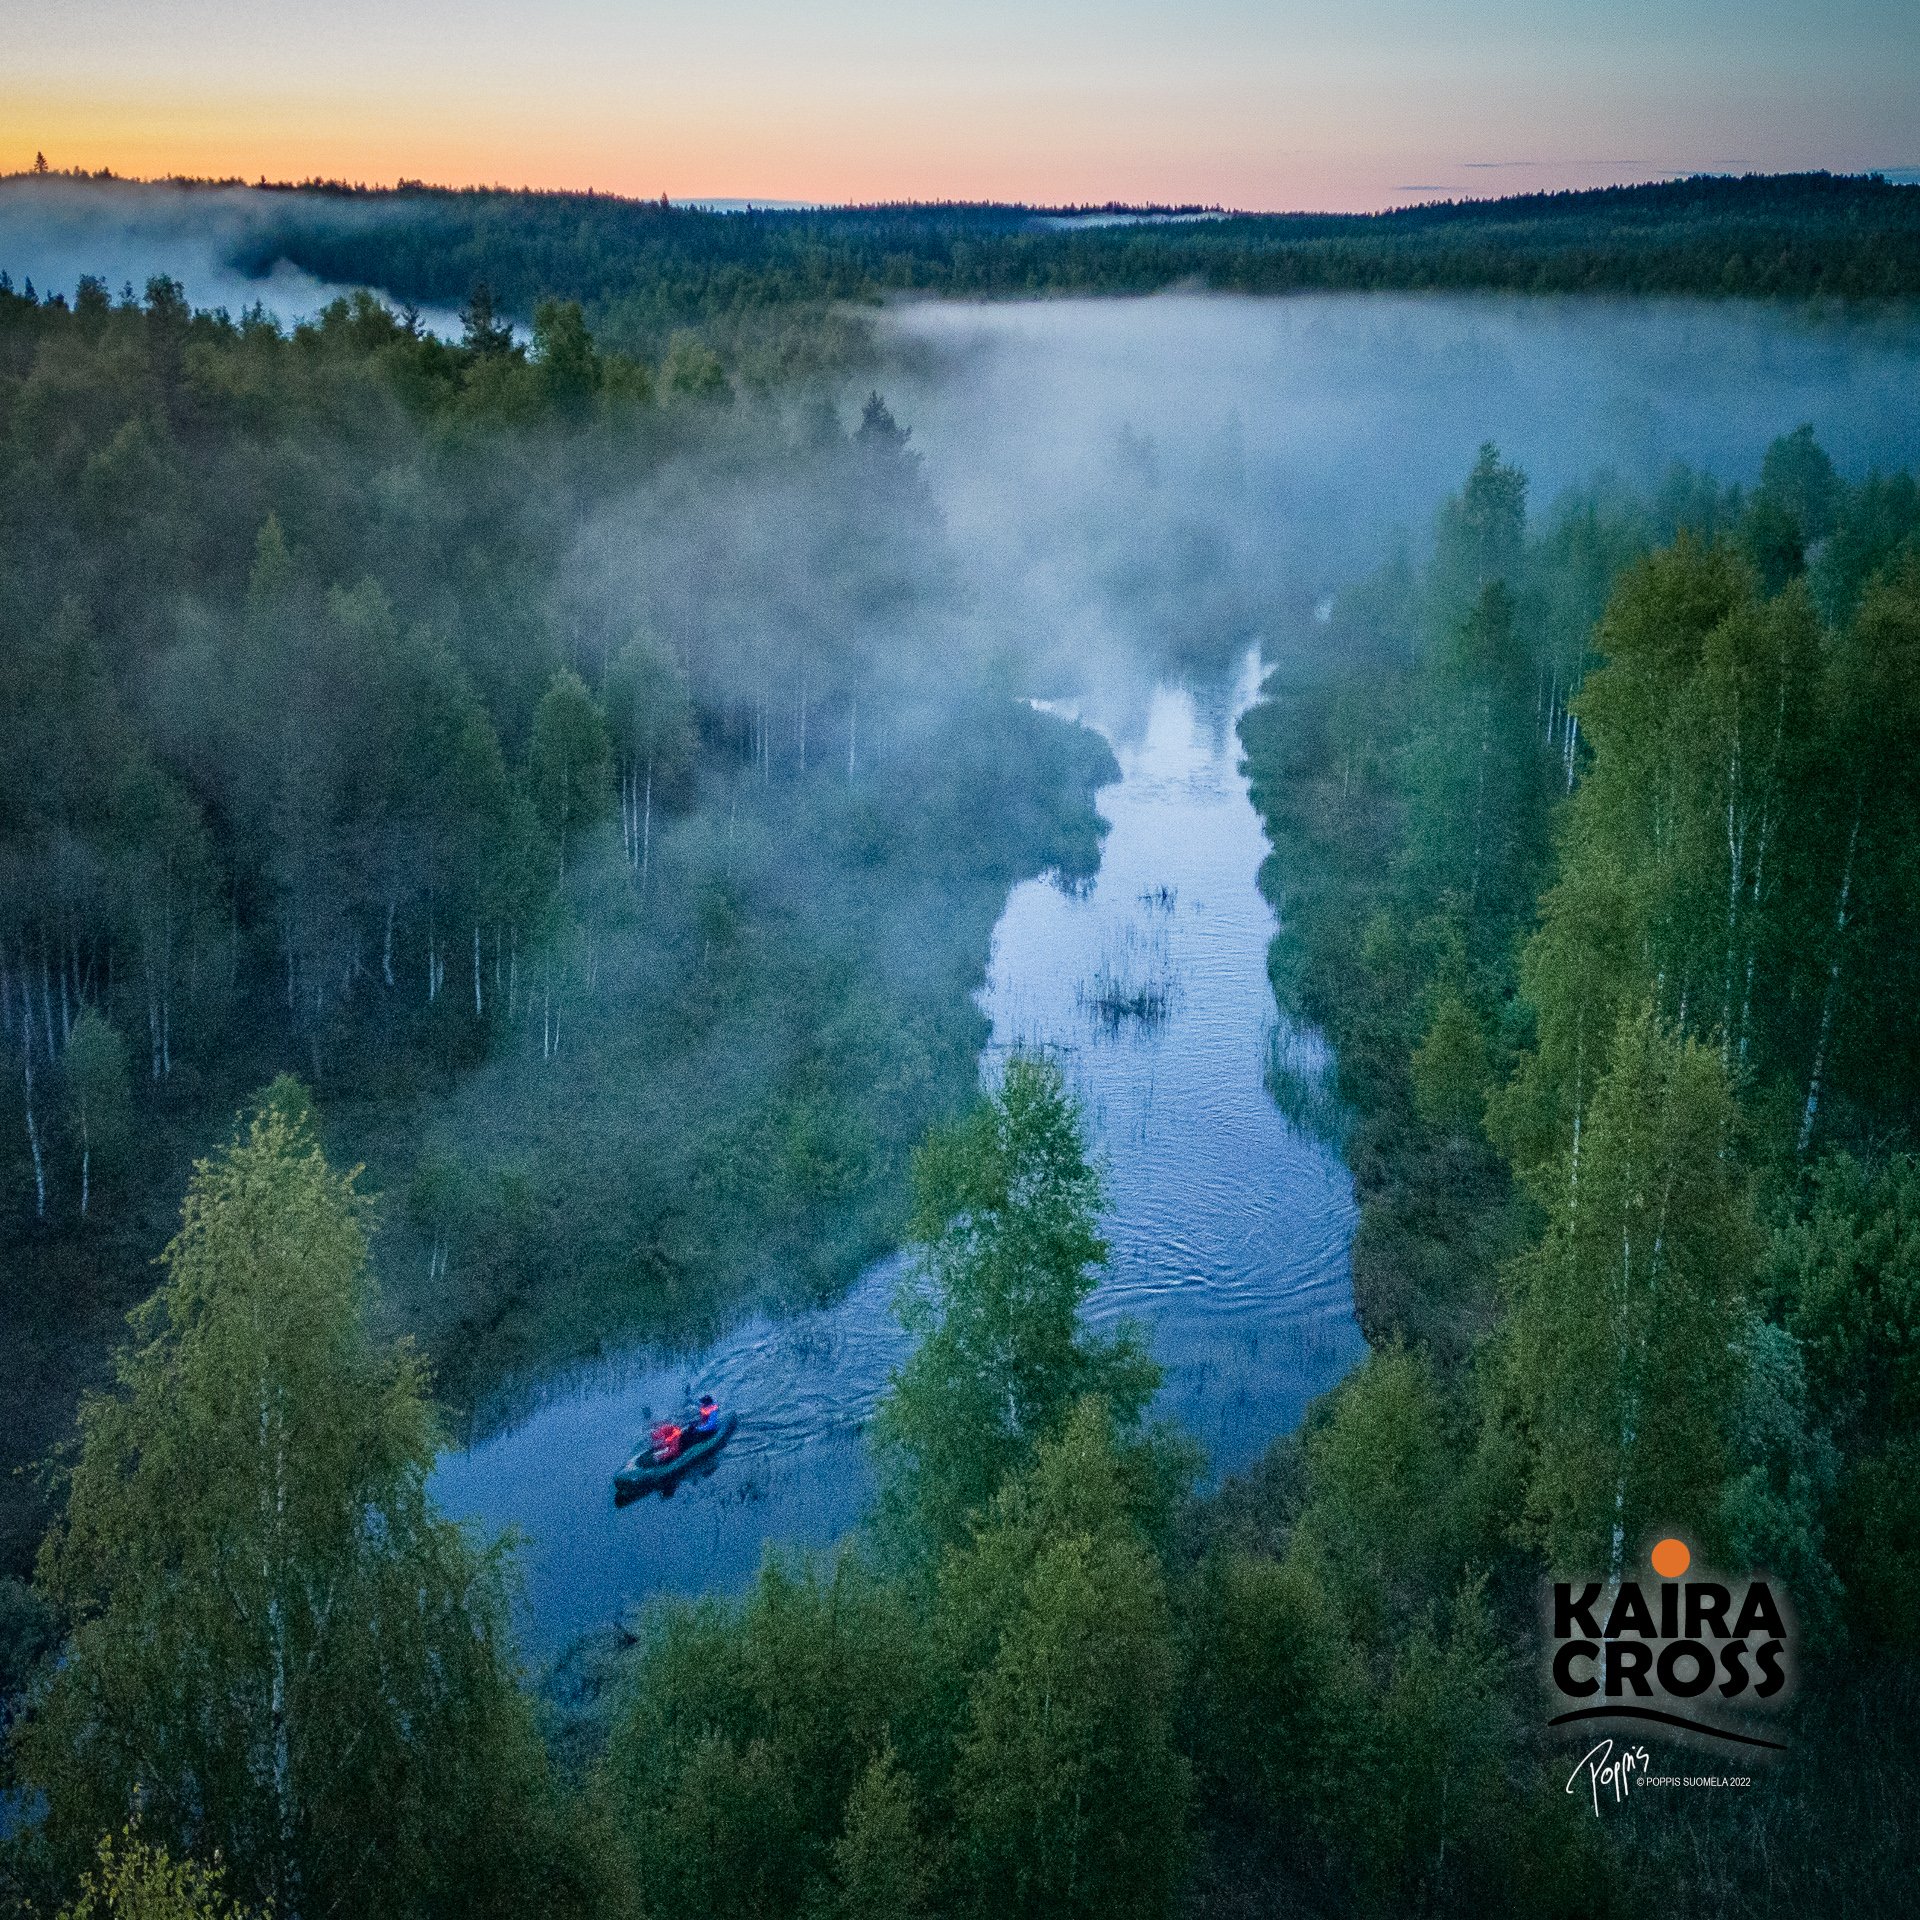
(1167, 469)
(53, 230)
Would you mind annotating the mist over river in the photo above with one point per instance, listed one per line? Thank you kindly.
(1129, 482)
(1229, 1229)
(1139, 473)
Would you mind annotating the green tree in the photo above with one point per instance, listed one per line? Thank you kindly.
(1636, 907)
(1619, 1349)
(563, 351)
(1421, 1836)
(1451, 1069)
(1881, 517)
(278, 1651)
(1797, 475)
(1784, 1469)
(1747, 815)
(728, 1822)
(1478, 537)
(881, 1864)
(1278, 1692)
(99, 1103)
(1862, 922)
(131, 1880)
(1388, 1512)
(741, 1733)
(487, 333)
(1006, 1205)
(692, 371)
(650, 718)
(570, 764)
(1069, 1793)
(1843, 1275)
(1477, 776)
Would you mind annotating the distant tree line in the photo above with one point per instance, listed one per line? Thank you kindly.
(643, 269)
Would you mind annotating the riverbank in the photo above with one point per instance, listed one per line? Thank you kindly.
(1438, 1212)
(1226, 1227)
(733, 1127)
(1461, 875)
(729, 1122)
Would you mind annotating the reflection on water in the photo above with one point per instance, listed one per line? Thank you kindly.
(1229, 1228)
(1229, 1225)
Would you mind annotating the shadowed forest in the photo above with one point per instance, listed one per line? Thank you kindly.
(778, 292)
(560, 783)
(387, 710)
(1595, 856)
(643, 270)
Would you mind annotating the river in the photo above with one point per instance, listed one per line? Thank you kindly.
(1229, 1229)
(1124, 478)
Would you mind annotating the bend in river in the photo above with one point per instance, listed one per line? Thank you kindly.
(1229, 1228)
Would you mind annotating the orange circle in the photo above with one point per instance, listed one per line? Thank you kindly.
(1671, 1559)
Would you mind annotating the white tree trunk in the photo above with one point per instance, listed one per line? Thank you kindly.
(153, 1021)
(33, 1125)
(646, 830)
(1832, 996)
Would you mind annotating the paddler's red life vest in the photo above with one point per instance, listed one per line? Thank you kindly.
(666, 1442)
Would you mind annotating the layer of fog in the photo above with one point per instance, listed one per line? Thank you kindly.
(1162, 471)
(54, 229)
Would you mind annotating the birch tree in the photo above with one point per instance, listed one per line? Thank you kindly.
(1625, 1312)
(1478, 774)
(278, 1652)
(1862, 911)
(650, 717)
(99, 1106)
(1759, 677)
(1006, 1211)
(570, 765)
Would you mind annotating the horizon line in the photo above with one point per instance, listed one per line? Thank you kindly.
(1895, 177)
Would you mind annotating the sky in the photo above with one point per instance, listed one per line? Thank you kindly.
(1348, 106)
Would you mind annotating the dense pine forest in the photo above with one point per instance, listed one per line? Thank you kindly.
(643, 269)
(772, 289)
(507, 829)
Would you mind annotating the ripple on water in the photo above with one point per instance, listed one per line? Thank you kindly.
(1229, 1229)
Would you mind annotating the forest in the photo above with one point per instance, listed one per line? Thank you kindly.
(619, 905)
(1595, 843)
(769, 289)
(512, 878)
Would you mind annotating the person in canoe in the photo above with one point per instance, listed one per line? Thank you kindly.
(674, 1446)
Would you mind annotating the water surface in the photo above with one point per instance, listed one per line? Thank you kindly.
(1229, 1229)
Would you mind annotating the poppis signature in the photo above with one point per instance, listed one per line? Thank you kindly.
(1606, 1770)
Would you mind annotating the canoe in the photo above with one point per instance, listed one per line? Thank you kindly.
(643, 1472)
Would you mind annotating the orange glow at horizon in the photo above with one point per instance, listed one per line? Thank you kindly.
(251, 140)
(1242, 103)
